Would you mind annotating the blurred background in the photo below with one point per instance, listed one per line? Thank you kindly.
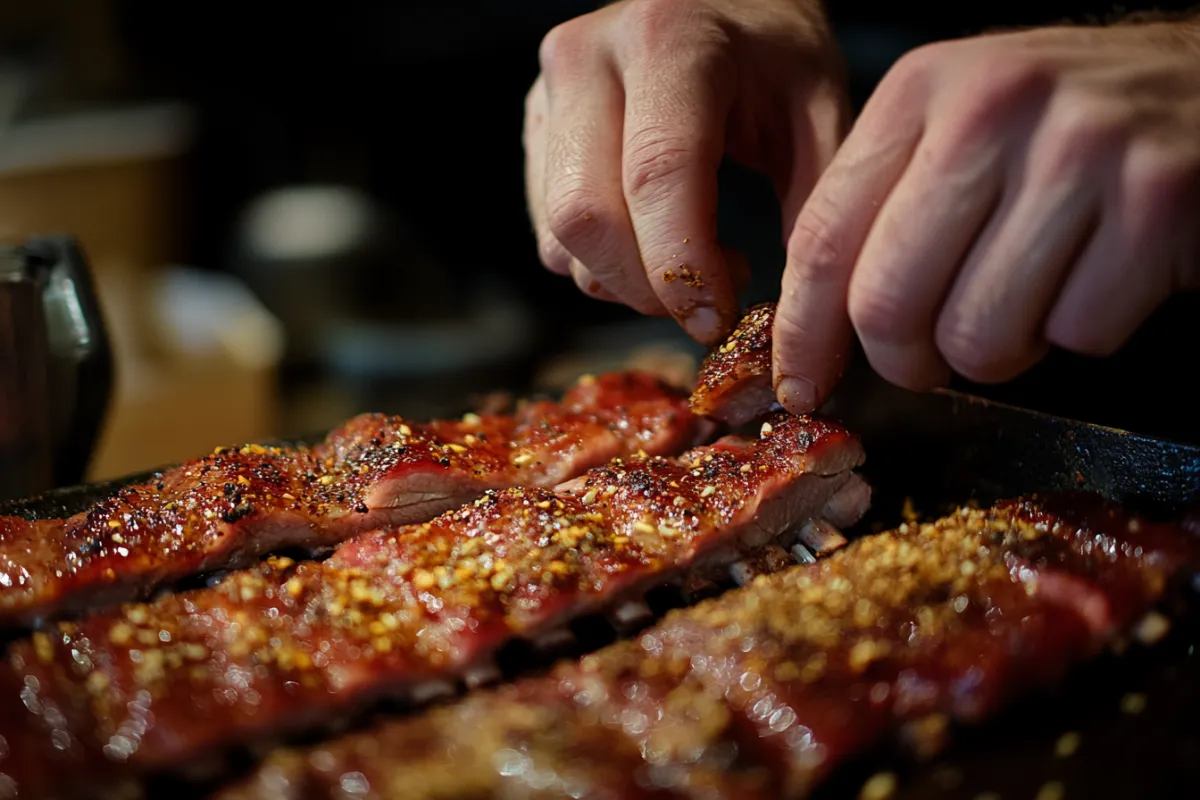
(295, 213)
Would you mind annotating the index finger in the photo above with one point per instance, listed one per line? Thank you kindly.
(812, 331)
(674, 141)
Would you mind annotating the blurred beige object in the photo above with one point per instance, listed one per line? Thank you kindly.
(668, 362)
(113, 179)
(180, 409)
(211, 380)
(110, 178)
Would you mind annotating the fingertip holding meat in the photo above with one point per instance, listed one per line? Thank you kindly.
(407, 613)
(734, 383)
(764, 691)
(237, 504)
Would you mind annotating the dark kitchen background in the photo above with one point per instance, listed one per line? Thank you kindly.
(298, 212)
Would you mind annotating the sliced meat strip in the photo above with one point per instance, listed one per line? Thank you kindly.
(231, 507)
(764, 691)
(404, 613)
(734, 383)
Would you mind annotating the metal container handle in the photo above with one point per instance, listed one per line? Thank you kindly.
(80, 370)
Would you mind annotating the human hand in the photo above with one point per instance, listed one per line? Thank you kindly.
(628, 122)
(999, 195)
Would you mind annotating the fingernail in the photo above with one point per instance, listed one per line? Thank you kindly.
(704, 325)
(797, 395)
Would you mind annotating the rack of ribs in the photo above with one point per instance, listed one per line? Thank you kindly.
(403, 613)
(229, 508)
(762, 692)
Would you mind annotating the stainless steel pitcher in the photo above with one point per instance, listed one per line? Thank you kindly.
(56, 367)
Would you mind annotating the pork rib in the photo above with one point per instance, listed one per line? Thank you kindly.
(284, 646)
(734, 382)
(762, 692)
(229, 508)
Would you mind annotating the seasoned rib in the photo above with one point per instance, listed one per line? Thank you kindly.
(229, 508)
(734, 383)
(762, 692)
(403, 613)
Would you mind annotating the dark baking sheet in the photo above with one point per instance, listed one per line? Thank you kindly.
(940, 451)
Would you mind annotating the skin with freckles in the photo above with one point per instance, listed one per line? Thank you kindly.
(997, 196)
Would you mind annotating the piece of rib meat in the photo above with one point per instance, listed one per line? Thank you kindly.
(403, 613)
(762, 692)
(734, 383)
(229, 508)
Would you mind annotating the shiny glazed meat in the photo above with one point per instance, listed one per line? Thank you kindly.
(285, 647)
(231, 507)
(762, 692)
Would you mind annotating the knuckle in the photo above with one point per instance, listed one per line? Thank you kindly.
(796, 336)
(814, 254)
(1080, 130)
(971, 353)
(903, 369)
(1162, 184)
(995, 88)
(643, 302)
(534, 98)
(1072, 332)
(1081, 342)
(586, 282)
(535, 115)
(882, 315)
(576, 216)
(789, 332)
(913, 72)
(647, 305)
(655, 158)
(553, 256)
(564, 44)
(651, 26)
(592, 288)
(899, 102)
(1007, 78)
(627, 282)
